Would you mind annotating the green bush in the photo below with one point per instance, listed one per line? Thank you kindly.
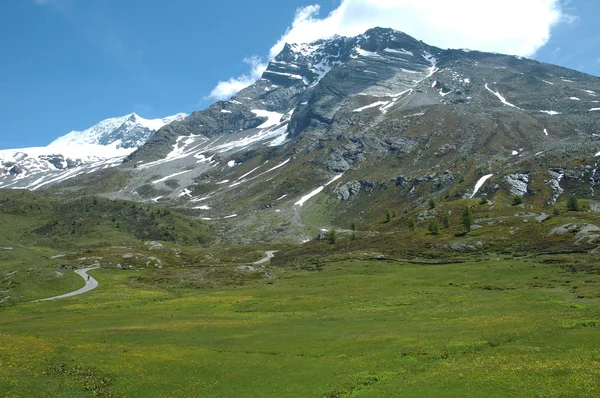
(467, 219)
(333, 237)
(483, 200)
(573, 203)
(446, 220)
(433, 227)
(389, 215)
(517, 200)
(431, 203)
(411, 224)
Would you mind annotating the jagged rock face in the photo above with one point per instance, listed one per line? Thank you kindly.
(351, 189)
(517, 183)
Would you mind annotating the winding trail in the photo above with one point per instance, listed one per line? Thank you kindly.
(90, 284)
(270, 254)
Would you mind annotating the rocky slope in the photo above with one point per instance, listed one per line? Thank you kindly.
(341, 129)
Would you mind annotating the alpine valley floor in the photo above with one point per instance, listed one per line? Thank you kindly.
(320, 319)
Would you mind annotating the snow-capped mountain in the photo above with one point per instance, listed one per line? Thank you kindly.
(100, 146)
(352, 126)
(129, 131)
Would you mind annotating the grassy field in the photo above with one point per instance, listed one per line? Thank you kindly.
(507, 309)
(348, 328)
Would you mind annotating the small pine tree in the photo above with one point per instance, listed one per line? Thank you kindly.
(411, 224)
(467, 219)
(433, 227)
(333, 236)
(556, 212)
(389, 215)
(353, 226)
(431, 203)
(573, 203)
(446, 220)
(517, 200)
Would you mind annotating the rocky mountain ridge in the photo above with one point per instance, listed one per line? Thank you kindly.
(344, 128)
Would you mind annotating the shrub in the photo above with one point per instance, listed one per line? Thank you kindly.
(411, 224)
(446, 220)
(483, 200)
(431, 203)
(333, 236)
(467, 219)
(389, 215)
(556, 212)
(353, 226)
(573, 203)
(517, 200)
(433, 227)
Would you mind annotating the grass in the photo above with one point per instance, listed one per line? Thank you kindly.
(34, 220)
(352, 328)
(503, 310)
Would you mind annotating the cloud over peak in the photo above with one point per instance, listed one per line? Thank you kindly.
(226, 89)
(517, 27)
(506, 26)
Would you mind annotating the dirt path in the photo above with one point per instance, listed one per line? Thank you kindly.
(90, 284)
(270, 254)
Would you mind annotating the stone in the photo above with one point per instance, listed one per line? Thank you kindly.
(517, 183)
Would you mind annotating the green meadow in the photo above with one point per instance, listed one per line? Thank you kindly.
(349, 328)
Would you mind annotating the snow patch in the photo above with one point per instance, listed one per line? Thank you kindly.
(310, 195)
(273, 118)
(171, 176)
(231, 163)
(373, 105)
(185, 192)
(501, 98)
(430, 58)
(290, 75)
(365, 53)
(480, 184)
(401, 51)
(279, 140)
(551, 113)
(316, 191)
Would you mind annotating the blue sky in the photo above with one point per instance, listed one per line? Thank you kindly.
(67, 64)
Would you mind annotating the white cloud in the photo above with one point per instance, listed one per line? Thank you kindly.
(518, 27)
(225, 90)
